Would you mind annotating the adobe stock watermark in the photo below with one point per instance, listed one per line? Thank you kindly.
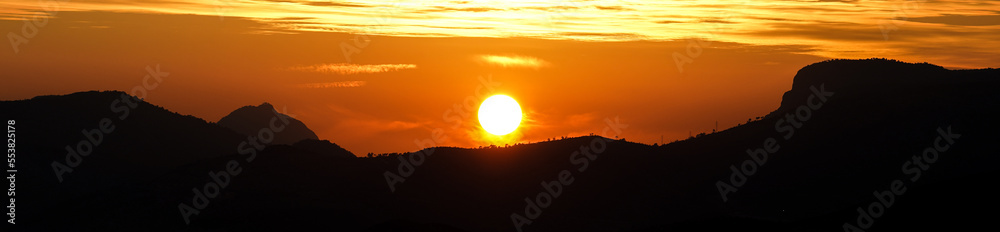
(361, 41)
(913, 168)
(31, 27)
(467, 108)
(222, 7)
(12, 170)
(219, 180)
(696, 46)
(407, 166)
(94, 137)
(758, 157)
(413, 160)
(551, 190)
(899, 17)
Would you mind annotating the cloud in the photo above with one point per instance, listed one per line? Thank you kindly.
(580, 120)
(669, 21)
(347, 69)
(340, 4)
(603, 36)
(378, 125)
(612, 8)
(961, 20)
(514, 61)
(317, 3)
(365, 125)
(714, 21)
(333, 84)
(466, 9)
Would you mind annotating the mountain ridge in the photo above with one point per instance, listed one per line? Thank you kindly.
(825, 168)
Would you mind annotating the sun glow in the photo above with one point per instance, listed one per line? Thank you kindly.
(500, 115)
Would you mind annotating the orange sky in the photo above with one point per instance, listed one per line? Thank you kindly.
(570, 64)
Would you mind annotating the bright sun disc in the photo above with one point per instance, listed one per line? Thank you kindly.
(500, 115)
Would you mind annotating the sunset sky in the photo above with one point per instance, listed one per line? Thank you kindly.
(373, 76)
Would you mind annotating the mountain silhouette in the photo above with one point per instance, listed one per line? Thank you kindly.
(843, 133)
(249, 120)
(882, 113)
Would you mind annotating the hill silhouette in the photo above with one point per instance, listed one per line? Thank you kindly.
(145, 142)
(856, 125)
(249, 120)
(128, 143)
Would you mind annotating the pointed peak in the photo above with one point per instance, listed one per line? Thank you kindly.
(266, 105)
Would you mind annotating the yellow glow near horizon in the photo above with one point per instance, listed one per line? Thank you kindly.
(500, 115)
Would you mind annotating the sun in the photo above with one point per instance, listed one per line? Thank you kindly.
(500, 114)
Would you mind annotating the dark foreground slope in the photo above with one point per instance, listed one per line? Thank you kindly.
(875, 116)
(874, 129)
(73, 147)
(92, 159)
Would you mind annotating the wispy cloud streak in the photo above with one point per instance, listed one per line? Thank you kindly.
(348, 69)
(340, 84)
